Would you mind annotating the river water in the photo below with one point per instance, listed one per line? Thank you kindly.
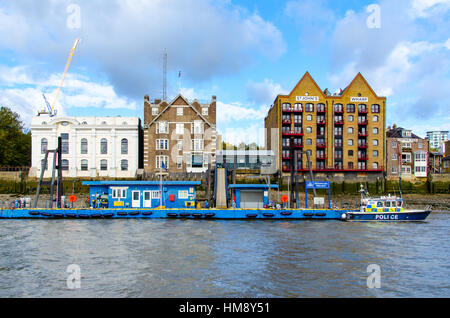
(192, 258)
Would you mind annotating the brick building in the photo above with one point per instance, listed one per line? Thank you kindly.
(407, 154)
(342, 132)
(180, 133)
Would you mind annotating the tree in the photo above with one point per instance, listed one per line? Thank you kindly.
(15, 142)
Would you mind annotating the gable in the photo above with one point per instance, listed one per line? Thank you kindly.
(307, 88)
(359, 88)
(180, 101)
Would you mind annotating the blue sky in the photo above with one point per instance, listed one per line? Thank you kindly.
(244, 52)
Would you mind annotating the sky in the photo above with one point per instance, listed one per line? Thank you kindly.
(244, 52)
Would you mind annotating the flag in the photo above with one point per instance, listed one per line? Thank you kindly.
(179, 74)
(164, 166)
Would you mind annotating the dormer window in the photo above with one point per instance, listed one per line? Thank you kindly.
(205, 111)
(154, 111)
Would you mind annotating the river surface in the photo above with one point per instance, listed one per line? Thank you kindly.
(192, 258)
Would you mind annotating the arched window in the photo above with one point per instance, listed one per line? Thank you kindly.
(44, 163)
(65, 164)
(103, 165)
(104, 146)
(84, 146)
(44, 145)
(84, 165)
(124, 165)
(124, 146)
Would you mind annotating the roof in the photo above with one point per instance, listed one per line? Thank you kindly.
(252, 186)
(122, 183)
(397, 133)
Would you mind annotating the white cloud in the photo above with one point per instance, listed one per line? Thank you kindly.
(263, 92)
(426, 8)
(253, 132)
(232, 112)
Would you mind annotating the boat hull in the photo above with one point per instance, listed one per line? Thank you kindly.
(247, 214)
(412, 215)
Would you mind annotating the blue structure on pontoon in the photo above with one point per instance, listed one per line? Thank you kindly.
(254, 196)
(143, 194)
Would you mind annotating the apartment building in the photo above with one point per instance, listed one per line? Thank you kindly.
(181, 134)
(342, 132)
(437, 139)
(407, 154)
(92, 147)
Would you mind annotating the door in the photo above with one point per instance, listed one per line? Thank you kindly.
(252, 199)
(136, 199)
(147, 200)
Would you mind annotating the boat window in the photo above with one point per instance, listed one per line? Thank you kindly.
(399, 203)
(388, 204)
(380, 204)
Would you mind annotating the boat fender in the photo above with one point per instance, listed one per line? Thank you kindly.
(269, 215)
(147, 213)
(343, 216)
(185, 214)
(46, 214)
(308, 214)
(252, 215)
(209, 215)
(286, 213)
(85, 216)
(321, 214)
(96, 215)
(134, 213)
(197, 215)
(33, 213)
(108, 215)
(58, 215)
(122, 213)
(71, 215)
(172, 215)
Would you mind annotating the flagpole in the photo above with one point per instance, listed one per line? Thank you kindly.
(160, 185)
(179, 82)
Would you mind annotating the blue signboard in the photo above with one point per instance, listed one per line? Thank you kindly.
(317, 185)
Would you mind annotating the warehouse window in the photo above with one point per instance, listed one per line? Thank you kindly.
(84, 165)
(103, 165)
(124, 165)
(65, 164)
(65, 143)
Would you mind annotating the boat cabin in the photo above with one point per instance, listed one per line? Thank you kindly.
(382, 204)
(142, 194)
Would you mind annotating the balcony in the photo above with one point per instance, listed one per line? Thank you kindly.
(286, 169)
(286, 158)
(338, 157)
(363, 157)
(363, 145)
(292, 133)
(292, 110)
(363, 122)
(321, 157)
(321, 110)
(339, 121)
(363, 110)
(321, 145)
(286, 121)
(339, 111)
(298, 145)
(363, 134)
(338, 145)
(321, 121)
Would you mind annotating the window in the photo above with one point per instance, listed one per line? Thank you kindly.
(162, 144)
(160, 159)
(65, 164)
(394, 156)
(394, 169)
(197, 127)
(104, 146)
(156, 194)
(309, 141)
(298, 107)
(375, 119)
(350, 118)
(350, 130)
(44, 163)
(375, 153)
(44, 145)
(309, 117)
(419, 145)
(162, 127)
(308, 130)
(154, 111)
(124, 165)
(375, 108)
(179, 162)
(183, 194)
(65, 143)
(84, 146)
(205, 111)
(179, 129)
(375, 142)
(309, 107)
(375, 165)
(406, 157)
(338, 108)
(350, 108)
(179, 111)
(124, 146)
(103, 165)
(394, 144)
(197, 144)
(84, 165)
(375, 131)
(350, 153)
(350, 142)
(406, 169)
(119, 193)
(84, 123)
(180, 144)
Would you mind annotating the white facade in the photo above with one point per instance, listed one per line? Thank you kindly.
(92, 146)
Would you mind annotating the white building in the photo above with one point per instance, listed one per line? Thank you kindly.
(91, 146)
(437, 139)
